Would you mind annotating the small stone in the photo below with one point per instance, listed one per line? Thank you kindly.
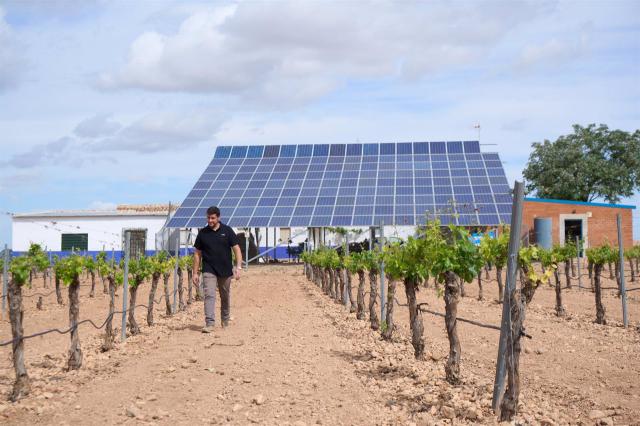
(606, 421)
(540, 351)
(596, 414)
(162, 413)
(258, 399)
(47, 395)
(236, 408)
(246, 380)
(220, 397)
(448, 412)
(184, 365)
(77, 407)
(133, 411)
(152, 398)
(193, 359)
(299, 423)
(171, 369)
(210, 369)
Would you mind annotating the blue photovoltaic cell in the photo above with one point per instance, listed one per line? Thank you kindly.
(471, 147)
(387, 149)
(271, 150)
(320, 150)
(438, 147)
(288, 151)
(337, 150)
(454, 147)
(371, 149)
(350, 185)
(305, 150)
(239, 152)
(354, 149)
(222, 152)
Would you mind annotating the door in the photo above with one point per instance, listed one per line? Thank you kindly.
(573, 231)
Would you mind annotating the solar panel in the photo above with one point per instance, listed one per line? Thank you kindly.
(350, 185)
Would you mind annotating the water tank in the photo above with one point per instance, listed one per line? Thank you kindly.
(542, 228)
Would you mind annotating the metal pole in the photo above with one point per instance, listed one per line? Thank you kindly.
(510, 286)
(50, 271)
(175, 275)
(345, 294)
(5, 280)
(578, 260)
(623, 290)
(125, 285)
(246, 248)
(382, 297)
(275, 244)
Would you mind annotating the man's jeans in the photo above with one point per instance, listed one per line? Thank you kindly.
(210, 282)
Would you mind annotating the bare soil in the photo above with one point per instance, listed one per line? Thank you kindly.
(292, 356)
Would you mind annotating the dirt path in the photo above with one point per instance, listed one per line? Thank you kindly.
(293, 356)
(281, 346)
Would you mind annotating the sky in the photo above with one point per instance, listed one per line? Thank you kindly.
(113, 102)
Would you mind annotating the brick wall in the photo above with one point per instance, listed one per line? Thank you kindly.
(601, 226)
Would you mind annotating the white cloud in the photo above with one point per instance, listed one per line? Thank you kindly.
(95, 136)
(96, 126)
(553, 52)
(297, 51)
(11, 59)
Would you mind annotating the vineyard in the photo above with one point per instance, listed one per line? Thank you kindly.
(295, 352)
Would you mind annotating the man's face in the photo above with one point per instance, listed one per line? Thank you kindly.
(213, 220)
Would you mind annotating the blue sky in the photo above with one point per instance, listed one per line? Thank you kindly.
(104, 103)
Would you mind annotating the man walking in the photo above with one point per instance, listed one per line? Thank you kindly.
(213, 246)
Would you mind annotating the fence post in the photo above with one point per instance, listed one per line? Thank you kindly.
(623, 291)
(382, 297)
(510, 286)
(246, 248)
(5, 280)
(345, 274)
(175, 275)
(125, 285)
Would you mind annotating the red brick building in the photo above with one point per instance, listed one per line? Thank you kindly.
(593, 222)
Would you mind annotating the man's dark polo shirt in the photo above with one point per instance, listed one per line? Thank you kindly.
(216, 249)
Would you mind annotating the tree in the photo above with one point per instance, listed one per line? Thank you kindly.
(598, 257)
(115, 277)
(452, 255)
(371, 262)
(70, 270)
(140, 270)
(355, 265)
(159, 266)
(90, 266)
(407, 262)
(20, 269)
(593, 162)
(495, 251)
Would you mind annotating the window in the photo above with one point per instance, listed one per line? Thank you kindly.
(137, 242)
(75, 242)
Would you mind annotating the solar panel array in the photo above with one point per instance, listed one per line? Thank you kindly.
(350, 185)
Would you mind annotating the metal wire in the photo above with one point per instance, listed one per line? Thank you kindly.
(56, 330)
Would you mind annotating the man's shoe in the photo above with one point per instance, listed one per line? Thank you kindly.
(225, 324)
(208, 329)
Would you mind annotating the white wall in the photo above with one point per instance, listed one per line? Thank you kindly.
(104, 231)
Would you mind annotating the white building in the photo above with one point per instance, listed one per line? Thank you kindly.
(90, 230)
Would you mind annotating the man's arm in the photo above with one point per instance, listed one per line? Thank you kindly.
(238, 255)
(197, 255)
